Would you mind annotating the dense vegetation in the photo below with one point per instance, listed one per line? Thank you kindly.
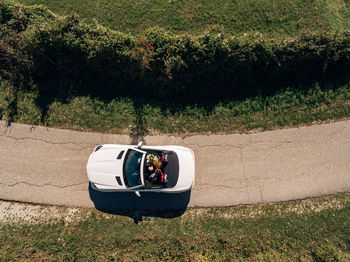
(62, 72)
(307, 230)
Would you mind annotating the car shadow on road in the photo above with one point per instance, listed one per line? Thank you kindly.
(150, 204)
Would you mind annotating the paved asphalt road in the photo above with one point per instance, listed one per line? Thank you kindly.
(45, 165)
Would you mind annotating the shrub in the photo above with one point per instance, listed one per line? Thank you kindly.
(64, 58)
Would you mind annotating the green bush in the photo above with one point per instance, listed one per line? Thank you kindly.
(18, 18)
(64, 58)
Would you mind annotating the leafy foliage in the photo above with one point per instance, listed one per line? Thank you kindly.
(63, 51)
(61, 58)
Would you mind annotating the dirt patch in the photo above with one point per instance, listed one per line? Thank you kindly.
(15, 212)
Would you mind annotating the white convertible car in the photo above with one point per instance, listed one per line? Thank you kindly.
(132, 168)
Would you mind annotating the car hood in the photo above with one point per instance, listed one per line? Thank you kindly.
(103, 167)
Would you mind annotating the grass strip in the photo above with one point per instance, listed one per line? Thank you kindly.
(305, 230)
(279, 17)
(287, 108)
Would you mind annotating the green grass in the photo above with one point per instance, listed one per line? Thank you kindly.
(182, 93)
(306, 230)
(272, 17)
(287, 108)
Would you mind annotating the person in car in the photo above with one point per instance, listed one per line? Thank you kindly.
(154, 172)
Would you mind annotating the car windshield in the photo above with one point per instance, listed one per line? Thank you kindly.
(132, 166)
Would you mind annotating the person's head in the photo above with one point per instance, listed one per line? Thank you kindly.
(157, 163)
(150, 168)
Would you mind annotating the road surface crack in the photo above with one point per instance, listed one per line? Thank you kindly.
(50, 142)
(43, 185)
(245, 145)
(261, 194)
(243, 171)
(211, 145)
(216, 185)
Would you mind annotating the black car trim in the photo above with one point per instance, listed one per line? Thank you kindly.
(120, 155)
(118, 180)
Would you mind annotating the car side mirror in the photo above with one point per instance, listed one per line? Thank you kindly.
(138, 193)
(139, 145)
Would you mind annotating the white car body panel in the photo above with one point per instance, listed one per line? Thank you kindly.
(103, 167)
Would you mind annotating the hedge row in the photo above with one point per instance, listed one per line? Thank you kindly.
(64, 57)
